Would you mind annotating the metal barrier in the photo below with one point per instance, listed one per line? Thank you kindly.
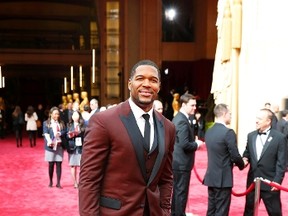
(255, 185)
(257, 195)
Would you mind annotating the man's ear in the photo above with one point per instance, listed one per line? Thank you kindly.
(129, 85)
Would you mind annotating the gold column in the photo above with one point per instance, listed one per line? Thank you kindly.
(236, 24)
(226, 33)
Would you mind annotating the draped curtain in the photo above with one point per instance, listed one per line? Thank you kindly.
(252, 72)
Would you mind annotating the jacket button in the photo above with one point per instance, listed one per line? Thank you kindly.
(142, 205)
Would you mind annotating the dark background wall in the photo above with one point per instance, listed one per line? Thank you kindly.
(195, 75)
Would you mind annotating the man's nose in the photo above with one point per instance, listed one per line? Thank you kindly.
(146, 82)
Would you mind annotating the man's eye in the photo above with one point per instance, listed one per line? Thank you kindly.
(139, 78)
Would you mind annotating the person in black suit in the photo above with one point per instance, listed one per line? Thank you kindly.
(274, 117)
(184, 154)
(67, 113)
(94, 106)
(282, 122)
(223, 154)
(266, 153)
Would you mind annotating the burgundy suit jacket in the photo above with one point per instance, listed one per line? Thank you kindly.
(113, 178)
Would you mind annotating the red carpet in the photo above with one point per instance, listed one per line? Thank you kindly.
(24, 187)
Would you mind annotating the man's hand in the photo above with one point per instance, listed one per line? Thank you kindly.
(199, 143)
(274, 188)
(246, 161)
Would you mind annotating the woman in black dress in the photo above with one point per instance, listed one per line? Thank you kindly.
(18, 122)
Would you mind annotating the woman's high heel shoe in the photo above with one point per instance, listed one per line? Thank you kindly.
(59, 186)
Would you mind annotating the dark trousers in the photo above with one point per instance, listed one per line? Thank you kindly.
(40, 132)
(219, 200)
(32, 137)
(18, 135)
(2, 130)
(181, 181)
(271, 199)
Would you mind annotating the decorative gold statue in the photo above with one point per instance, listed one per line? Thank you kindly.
(85, 101)
(176, 103)
(76, 97)
(69, 98)
(64, 101)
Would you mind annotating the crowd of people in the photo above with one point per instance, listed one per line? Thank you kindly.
(62, 127)
(156, 176)
(160, 154)
(64, 131)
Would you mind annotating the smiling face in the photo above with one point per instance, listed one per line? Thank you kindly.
(55, 115)
(144, 86)
(189, 107)
(158, 106)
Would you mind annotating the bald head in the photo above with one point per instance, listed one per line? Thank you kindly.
(158, 106)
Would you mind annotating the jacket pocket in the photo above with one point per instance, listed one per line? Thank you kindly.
(110, 203)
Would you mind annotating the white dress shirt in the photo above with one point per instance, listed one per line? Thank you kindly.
(260, 142)
(138, 112)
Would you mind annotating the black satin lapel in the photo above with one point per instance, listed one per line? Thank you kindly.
(136, 139)
(161, 147)
(155, 143)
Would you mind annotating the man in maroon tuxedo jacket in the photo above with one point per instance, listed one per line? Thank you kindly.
(120, 174)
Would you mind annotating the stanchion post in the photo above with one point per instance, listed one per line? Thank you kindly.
(257, 195)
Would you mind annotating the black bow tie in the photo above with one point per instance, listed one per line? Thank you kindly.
(262, 133)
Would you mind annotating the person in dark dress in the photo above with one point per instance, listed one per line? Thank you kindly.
(17, 123)
(41, 117)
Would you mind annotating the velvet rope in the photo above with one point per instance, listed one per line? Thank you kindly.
(251, 187)
(197, 175)
(273, 184)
